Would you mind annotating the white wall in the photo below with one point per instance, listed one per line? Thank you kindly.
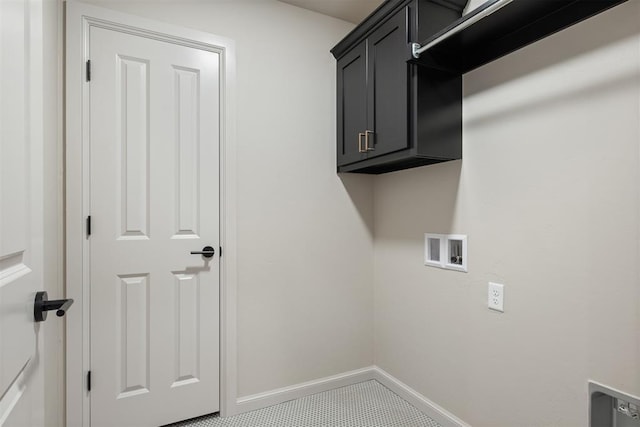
(548, 192)
(304, 246)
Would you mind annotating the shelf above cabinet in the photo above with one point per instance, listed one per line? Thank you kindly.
(500, 27)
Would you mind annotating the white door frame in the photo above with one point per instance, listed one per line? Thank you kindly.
(79, 19)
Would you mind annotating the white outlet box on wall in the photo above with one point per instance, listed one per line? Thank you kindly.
(456, 252)
(434, 250)
(448, 251)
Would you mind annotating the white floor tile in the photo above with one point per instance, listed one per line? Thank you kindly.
(368, 404)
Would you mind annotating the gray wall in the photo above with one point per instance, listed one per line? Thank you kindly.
(548, 193)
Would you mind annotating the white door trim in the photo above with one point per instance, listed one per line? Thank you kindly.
(79, 19)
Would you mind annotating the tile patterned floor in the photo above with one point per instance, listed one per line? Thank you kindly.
(368, 404)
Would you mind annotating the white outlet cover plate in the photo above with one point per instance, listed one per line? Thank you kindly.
(496, 297)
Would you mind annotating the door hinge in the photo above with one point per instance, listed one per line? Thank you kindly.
(89, 381)
(220, 253)
(89, 226)
(88, 70)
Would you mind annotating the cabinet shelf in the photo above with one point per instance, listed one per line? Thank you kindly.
(461, 47)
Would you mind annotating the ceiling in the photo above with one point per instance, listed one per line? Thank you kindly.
(349, 10)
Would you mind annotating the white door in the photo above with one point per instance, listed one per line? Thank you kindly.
(21, 355)
(154, 198)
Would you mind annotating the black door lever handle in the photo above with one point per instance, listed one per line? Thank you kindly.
(42, 305)
(206, 252)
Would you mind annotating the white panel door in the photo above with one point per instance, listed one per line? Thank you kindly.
(21, 355)
(154, 198)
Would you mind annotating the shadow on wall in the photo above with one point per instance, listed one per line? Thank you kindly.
(538, 56)
(359, 187)
(424, 198)
(576, 89)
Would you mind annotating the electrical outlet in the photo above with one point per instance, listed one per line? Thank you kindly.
(496, 297)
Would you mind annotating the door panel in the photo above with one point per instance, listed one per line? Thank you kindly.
(352, 104)
(21, 361)
(154, 113)
(187, 327)
(132, 109)
(187, 153)
(388, 97)
(132, 310)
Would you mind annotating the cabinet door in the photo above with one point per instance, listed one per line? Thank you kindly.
(388, 88)
(352, 104)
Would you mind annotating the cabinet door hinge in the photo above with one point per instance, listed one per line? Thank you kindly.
(88, 70)
(89, 226)
(89, 381)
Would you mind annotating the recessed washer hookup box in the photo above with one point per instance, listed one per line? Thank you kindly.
(609, 407)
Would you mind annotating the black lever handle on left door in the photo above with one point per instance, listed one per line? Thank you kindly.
(42, 305)
(207, 252)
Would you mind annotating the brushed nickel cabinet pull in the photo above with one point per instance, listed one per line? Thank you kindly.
(360, 150)
(366, 140)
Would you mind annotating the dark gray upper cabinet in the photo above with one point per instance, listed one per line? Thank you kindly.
(388, 94)
(352, 108)
(392, 114)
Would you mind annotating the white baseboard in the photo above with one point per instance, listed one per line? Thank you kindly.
(273, 397)
(439, 414)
